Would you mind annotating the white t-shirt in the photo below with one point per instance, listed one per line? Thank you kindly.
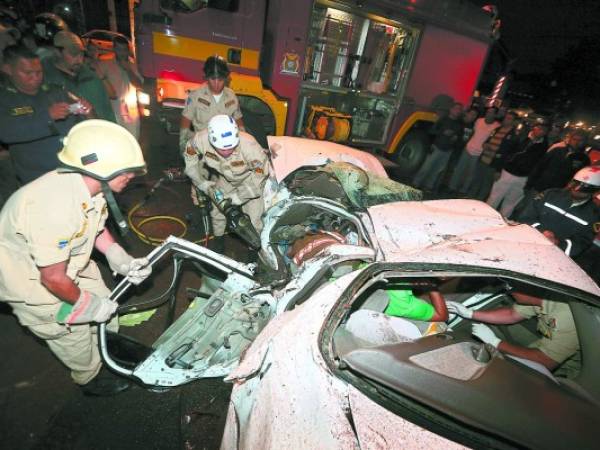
(481, 131)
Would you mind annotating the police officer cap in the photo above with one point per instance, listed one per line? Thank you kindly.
(215, 67)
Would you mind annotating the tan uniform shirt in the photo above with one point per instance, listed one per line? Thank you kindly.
(49, 220)
(556, 325)
(242, 173)
(240, 177)
(201, 106)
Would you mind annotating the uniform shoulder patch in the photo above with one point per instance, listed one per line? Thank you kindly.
(21, 111)
(238, 163)
(211, 156)
(203, 101)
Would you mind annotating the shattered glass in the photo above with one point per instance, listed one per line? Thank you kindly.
(365, 189)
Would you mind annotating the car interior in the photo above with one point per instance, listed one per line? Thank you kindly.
(445, 379)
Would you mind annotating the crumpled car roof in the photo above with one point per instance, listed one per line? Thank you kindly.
(294, 152)
(471, 233)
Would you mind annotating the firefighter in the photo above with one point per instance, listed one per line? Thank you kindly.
(557, 345)
(567, 216)
(48, 230)
(228, 166)
(210, 99)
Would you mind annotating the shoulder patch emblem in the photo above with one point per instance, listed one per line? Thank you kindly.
(237, 163)
(21, 111)
(211, 156)
(203, 101)
(229, 103)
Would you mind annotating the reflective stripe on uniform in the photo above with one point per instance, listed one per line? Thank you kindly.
(566, 214)
(568, 248)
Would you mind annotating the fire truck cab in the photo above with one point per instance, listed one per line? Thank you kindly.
(370, 74)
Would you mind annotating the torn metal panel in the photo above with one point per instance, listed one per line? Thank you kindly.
(289, 380)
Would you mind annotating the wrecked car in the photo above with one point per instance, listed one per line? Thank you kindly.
(322, 368)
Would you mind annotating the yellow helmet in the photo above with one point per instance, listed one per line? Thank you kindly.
(101, 150)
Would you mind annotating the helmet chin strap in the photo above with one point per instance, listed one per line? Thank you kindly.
(114, 208)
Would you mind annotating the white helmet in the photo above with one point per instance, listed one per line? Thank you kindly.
(223, 132)
(589, 176)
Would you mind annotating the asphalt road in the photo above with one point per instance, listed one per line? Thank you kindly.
(40, 408)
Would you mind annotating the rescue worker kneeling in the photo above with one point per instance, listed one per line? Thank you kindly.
(227, 166)
(48, 230)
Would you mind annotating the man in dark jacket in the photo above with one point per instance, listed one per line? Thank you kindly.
(567, 216)
(448, 132)
(507, 191)
(34, 117)
(559, 164)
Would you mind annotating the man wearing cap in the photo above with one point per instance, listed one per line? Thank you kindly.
(34, 116)
(48, 230)
(228, 166)
(208, 100)
(68, 70)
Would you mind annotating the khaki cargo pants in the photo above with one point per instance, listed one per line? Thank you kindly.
(75, 346)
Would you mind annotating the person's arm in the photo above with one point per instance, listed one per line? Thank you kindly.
(532, 354)
(185, 133)
(581, 239)
(79, 306)
(54, 278)
(103, 241)
(439, 305)
(501, 316)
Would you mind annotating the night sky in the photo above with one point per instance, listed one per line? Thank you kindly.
(537, 32)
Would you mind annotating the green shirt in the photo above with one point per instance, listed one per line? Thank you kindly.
(84, 84)
(403, 303)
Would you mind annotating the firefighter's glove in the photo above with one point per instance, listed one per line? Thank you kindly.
(485, 334)
(206, 186)
(121, 262)
(459, 309)
(89, 308)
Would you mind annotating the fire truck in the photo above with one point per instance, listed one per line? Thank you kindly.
(372, 74)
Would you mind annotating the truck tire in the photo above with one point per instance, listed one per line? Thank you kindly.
(254, 126)
(411, 152)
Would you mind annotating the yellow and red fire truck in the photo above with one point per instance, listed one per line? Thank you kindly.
(370, 74)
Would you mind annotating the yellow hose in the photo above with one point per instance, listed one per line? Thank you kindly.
(156, 241)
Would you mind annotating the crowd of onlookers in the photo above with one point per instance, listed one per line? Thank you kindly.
(516, 167)
(50, 80)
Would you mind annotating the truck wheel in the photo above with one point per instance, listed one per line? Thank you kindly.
(411, 152)
(254, 126)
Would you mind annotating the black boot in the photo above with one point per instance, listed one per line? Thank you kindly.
(105, 384)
